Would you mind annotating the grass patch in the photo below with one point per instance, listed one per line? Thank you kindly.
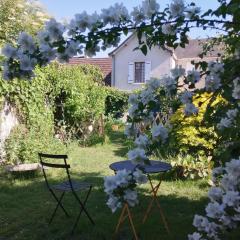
(26, 205)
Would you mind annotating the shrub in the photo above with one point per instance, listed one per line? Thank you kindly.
(116, 103)
(23, 145)
(61, 99)
(189, 167)
(192, 135)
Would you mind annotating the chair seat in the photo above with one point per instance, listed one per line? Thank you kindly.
(65, 186)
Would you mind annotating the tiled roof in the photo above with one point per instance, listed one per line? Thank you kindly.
(194, 48)
(105, 64)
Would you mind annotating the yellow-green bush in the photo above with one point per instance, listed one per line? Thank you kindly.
(192, 135)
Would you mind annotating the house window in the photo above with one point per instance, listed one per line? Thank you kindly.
(139, 72)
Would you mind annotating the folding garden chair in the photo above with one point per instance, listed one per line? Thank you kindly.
(66, 186)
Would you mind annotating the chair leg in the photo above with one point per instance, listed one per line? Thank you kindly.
(82, 209)
(58, 204)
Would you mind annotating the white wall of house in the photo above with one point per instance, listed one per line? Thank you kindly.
(158, 62)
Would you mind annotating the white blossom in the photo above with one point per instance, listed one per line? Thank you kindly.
(154, 84)
(232, 113)
(168, 29)
(233, 168)
(26, 42)
(150, 7)
(131, 197)
(195, 236)
(132, 111)
(72, 49)
(236, 88)
(140, 177)
(200, 222)
(231, 198)
(110, 184)
(27, 63)
(193, 76)
(81, 22)
(130, 130)
(159, 132)
(114, 14)
(137, 156)
(122, 177)
(214, 210)
(186, 97)
(224, 123)
(215, 67)
(48, 52)
(93, 19)
(54, 29)
(43, 37)
(228, 182)
(190, 109)
(9, 51)
(177, 8)
(142, 141)
(147, 96)
(138, 15)
(113, 203)
(178, 72)
(215, 193)
(212, 82)
(192, 11)
(133, 99)
(216, 172)
(92, 51)
(169, 83)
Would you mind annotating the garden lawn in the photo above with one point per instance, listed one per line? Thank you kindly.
(26, 205)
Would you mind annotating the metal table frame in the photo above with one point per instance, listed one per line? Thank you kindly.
(155, 167)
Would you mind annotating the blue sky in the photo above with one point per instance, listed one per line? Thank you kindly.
(66, 9)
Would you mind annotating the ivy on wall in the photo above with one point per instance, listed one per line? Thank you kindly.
(62, 97)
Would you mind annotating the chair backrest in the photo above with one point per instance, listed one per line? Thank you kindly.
(63, 165)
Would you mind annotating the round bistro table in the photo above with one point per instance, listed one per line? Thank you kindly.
(154, 168)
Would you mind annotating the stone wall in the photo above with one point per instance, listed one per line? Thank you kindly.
(8, 120)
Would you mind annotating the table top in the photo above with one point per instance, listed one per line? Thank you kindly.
(154, 167)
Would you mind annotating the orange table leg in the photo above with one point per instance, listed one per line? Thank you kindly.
(126, 214)
(154, 199)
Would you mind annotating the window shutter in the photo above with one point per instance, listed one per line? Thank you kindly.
(130, 72)
(148, 69)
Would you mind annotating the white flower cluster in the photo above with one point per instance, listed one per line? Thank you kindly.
(190, 108)
(179, 9)
(168, 29)
(159, 132)
(169, 83)
(228, 121)
(119, 188)
(137, 156)
(213, 80)
(63, 42)
(223, 211)
(193, 76)
(236, 89)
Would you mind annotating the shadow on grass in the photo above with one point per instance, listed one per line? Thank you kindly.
(119, 139)
(26, 206)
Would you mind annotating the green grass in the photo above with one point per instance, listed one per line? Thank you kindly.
(26, 205)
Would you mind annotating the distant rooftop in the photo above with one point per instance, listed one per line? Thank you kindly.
(105, 64)
(195, 47)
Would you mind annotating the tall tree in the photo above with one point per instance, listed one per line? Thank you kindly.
(20, 15)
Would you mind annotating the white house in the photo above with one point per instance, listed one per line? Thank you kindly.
(132, 69)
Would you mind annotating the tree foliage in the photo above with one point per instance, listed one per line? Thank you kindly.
(20, 15)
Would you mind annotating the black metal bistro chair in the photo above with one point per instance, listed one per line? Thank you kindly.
(66, 186)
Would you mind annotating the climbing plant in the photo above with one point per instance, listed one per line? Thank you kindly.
(55, 106)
